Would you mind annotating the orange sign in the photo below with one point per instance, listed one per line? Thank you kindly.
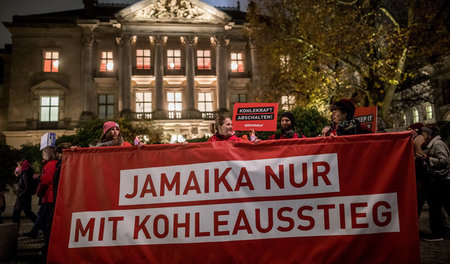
(367, 116)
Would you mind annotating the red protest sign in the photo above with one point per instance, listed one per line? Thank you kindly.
(367, 116)
(278, 201)
(256, 116)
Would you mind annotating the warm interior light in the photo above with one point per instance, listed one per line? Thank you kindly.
(234, 66)
(110, 66)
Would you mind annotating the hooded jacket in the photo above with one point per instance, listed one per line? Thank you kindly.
(438, 153)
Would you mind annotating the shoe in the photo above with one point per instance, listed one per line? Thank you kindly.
(433, 239)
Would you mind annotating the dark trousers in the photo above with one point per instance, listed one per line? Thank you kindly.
(438, 193)
(23, 204)
(421, 176)
(47, 219)
(38, 225)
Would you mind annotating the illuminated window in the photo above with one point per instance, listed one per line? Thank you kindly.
(144, 105)
(205, 105)
(415, 114)
(173, 59)
(143, 59)
(203, 59)
(106, 61)
(429, 110)
(237, 62)
(105, 106)
(49, 108)
(287, 102)
(175, 104)
(177, 138)
(51, 61)
(205, 102)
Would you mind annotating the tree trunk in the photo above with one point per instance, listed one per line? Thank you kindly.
(391, 87)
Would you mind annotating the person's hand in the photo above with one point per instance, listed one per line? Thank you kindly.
(425, 158)
(73, 148)
(256, 141)
(325, 130)
(185, 143)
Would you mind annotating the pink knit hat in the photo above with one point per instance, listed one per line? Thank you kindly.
(108, 125)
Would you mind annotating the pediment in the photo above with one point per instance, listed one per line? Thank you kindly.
(173, 11)
(48, 85)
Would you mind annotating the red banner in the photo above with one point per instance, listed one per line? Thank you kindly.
(256, 116)
(315, 200)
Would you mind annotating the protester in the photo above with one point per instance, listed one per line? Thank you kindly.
(45, 190)
(343, 122)
(287, 125)
(26, 189)
(381, 126)
(436, 158)
(222, 130)
(418, 140)
(111, 136)
(56, 176)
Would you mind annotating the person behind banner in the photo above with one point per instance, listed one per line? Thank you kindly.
(436, 159)
(111, 136)
(26, 190)
(222, 130)
(343, 123)
(287, 125)
(418, 140)
(45, 190)
(56, 176)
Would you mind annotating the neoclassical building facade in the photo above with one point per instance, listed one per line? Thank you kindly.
(175, 62)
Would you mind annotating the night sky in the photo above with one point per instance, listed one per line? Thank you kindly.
(8, 8)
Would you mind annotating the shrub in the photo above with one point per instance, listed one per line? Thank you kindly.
(91, 132)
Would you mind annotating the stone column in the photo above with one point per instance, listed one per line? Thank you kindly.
(256, 80)
(87, 89)
(159, 74)
(190, 111)
(222, 67)
(125, 74)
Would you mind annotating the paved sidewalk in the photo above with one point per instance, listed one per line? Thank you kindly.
(432, 252)
(29, 249)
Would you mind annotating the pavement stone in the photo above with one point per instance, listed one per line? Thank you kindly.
(29, 249)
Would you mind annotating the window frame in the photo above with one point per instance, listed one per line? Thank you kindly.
(289, 103)
(202, 58)
(52, 60)
(50, 106)
(144, 114)
(173, 58)
(144, 66)
(429, 112)
(174, 114)
(105, 61)
(239, 60)
(106, 104)
(415, 115)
